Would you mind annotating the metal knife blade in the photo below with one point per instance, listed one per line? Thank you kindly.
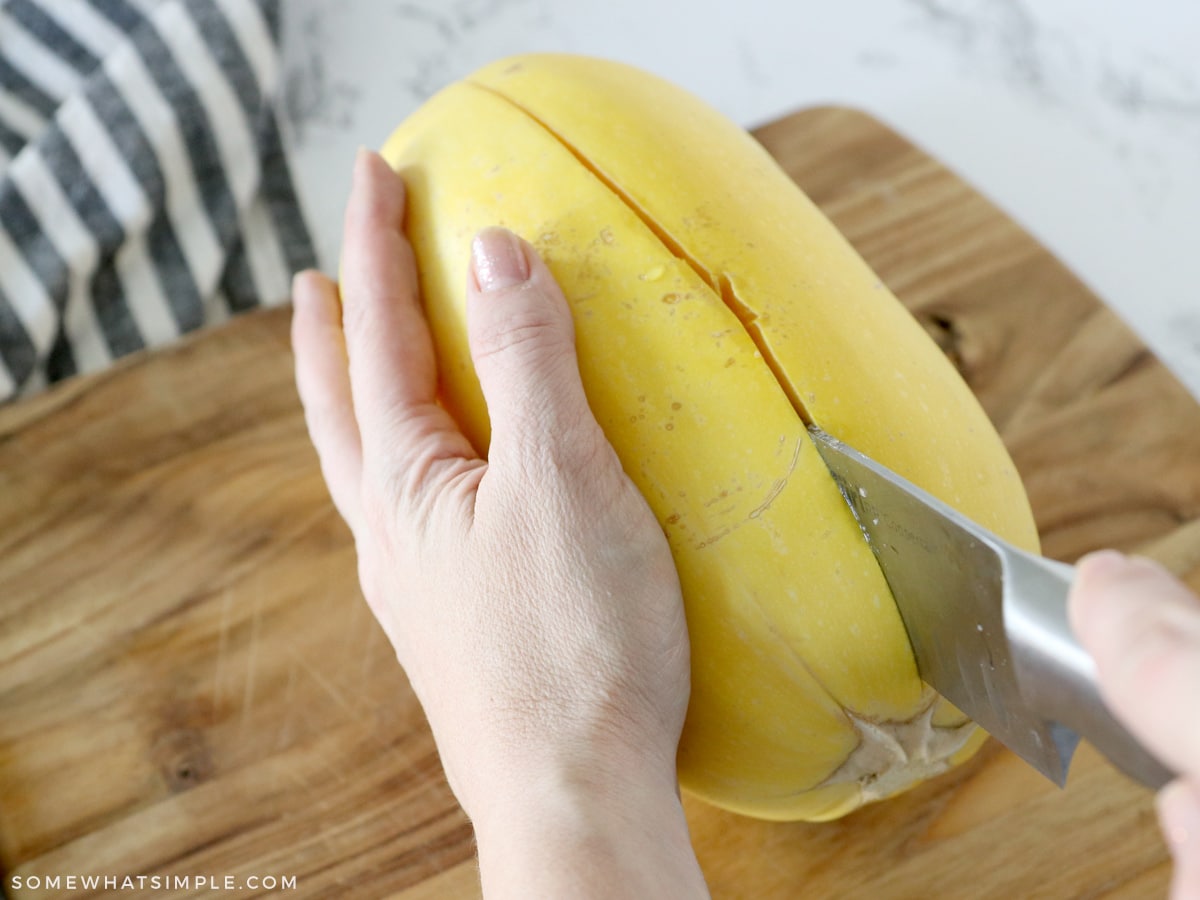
(987, 622)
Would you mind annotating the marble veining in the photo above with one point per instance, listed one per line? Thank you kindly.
(1080, 77)
(1080, 119)
(312, 95)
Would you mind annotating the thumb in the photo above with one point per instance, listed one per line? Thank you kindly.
(523, 344)
(1142, 626)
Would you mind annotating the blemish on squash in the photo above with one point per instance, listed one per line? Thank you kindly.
(709, 541)
(717, 499)
(779, 485)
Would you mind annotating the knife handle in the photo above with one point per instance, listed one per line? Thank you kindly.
(1055, 675)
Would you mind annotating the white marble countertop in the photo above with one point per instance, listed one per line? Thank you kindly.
(1081, 118)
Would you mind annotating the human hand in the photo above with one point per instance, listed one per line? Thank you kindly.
(531, 598)
(1142, 626)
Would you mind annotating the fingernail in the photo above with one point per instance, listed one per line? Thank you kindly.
(1106, 569)
(313, 293)
(362, 158)
(1103, 562)
(1179, 813)
(499, 260)
(365, 162)
(302, 288)
(1090, 594)
(1096, 568)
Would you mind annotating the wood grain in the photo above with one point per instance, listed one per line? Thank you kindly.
(190, 683)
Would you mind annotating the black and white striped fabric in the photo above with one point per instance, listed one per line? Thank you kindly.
(144, 190)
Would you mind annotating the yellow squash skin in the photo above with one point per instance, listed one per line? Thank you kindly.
(716, 309)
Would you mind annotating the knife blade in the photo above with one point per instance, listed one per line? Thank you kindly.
(987, 622)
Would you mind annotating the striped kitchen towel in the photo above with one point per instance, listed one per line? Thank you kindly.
(144, 189)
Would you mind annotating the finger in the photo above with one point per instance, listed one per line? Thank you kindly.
(392, 369)
(1179, 813)
(393, 376)
(523, 344)
(323, 381)
(1142, 625)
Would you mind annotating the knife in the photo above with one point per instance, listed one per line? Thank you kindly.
(987, 622)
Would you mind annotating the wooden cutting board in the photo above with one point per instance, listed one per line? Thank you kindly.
(190, 683)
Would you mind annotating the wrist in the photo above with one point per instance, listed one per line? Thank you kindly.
(587, 834)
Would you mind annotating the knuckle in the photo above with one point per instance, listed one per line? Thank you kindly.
(524, 334)
(583, 453)
(574, 454)
(405, 490)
